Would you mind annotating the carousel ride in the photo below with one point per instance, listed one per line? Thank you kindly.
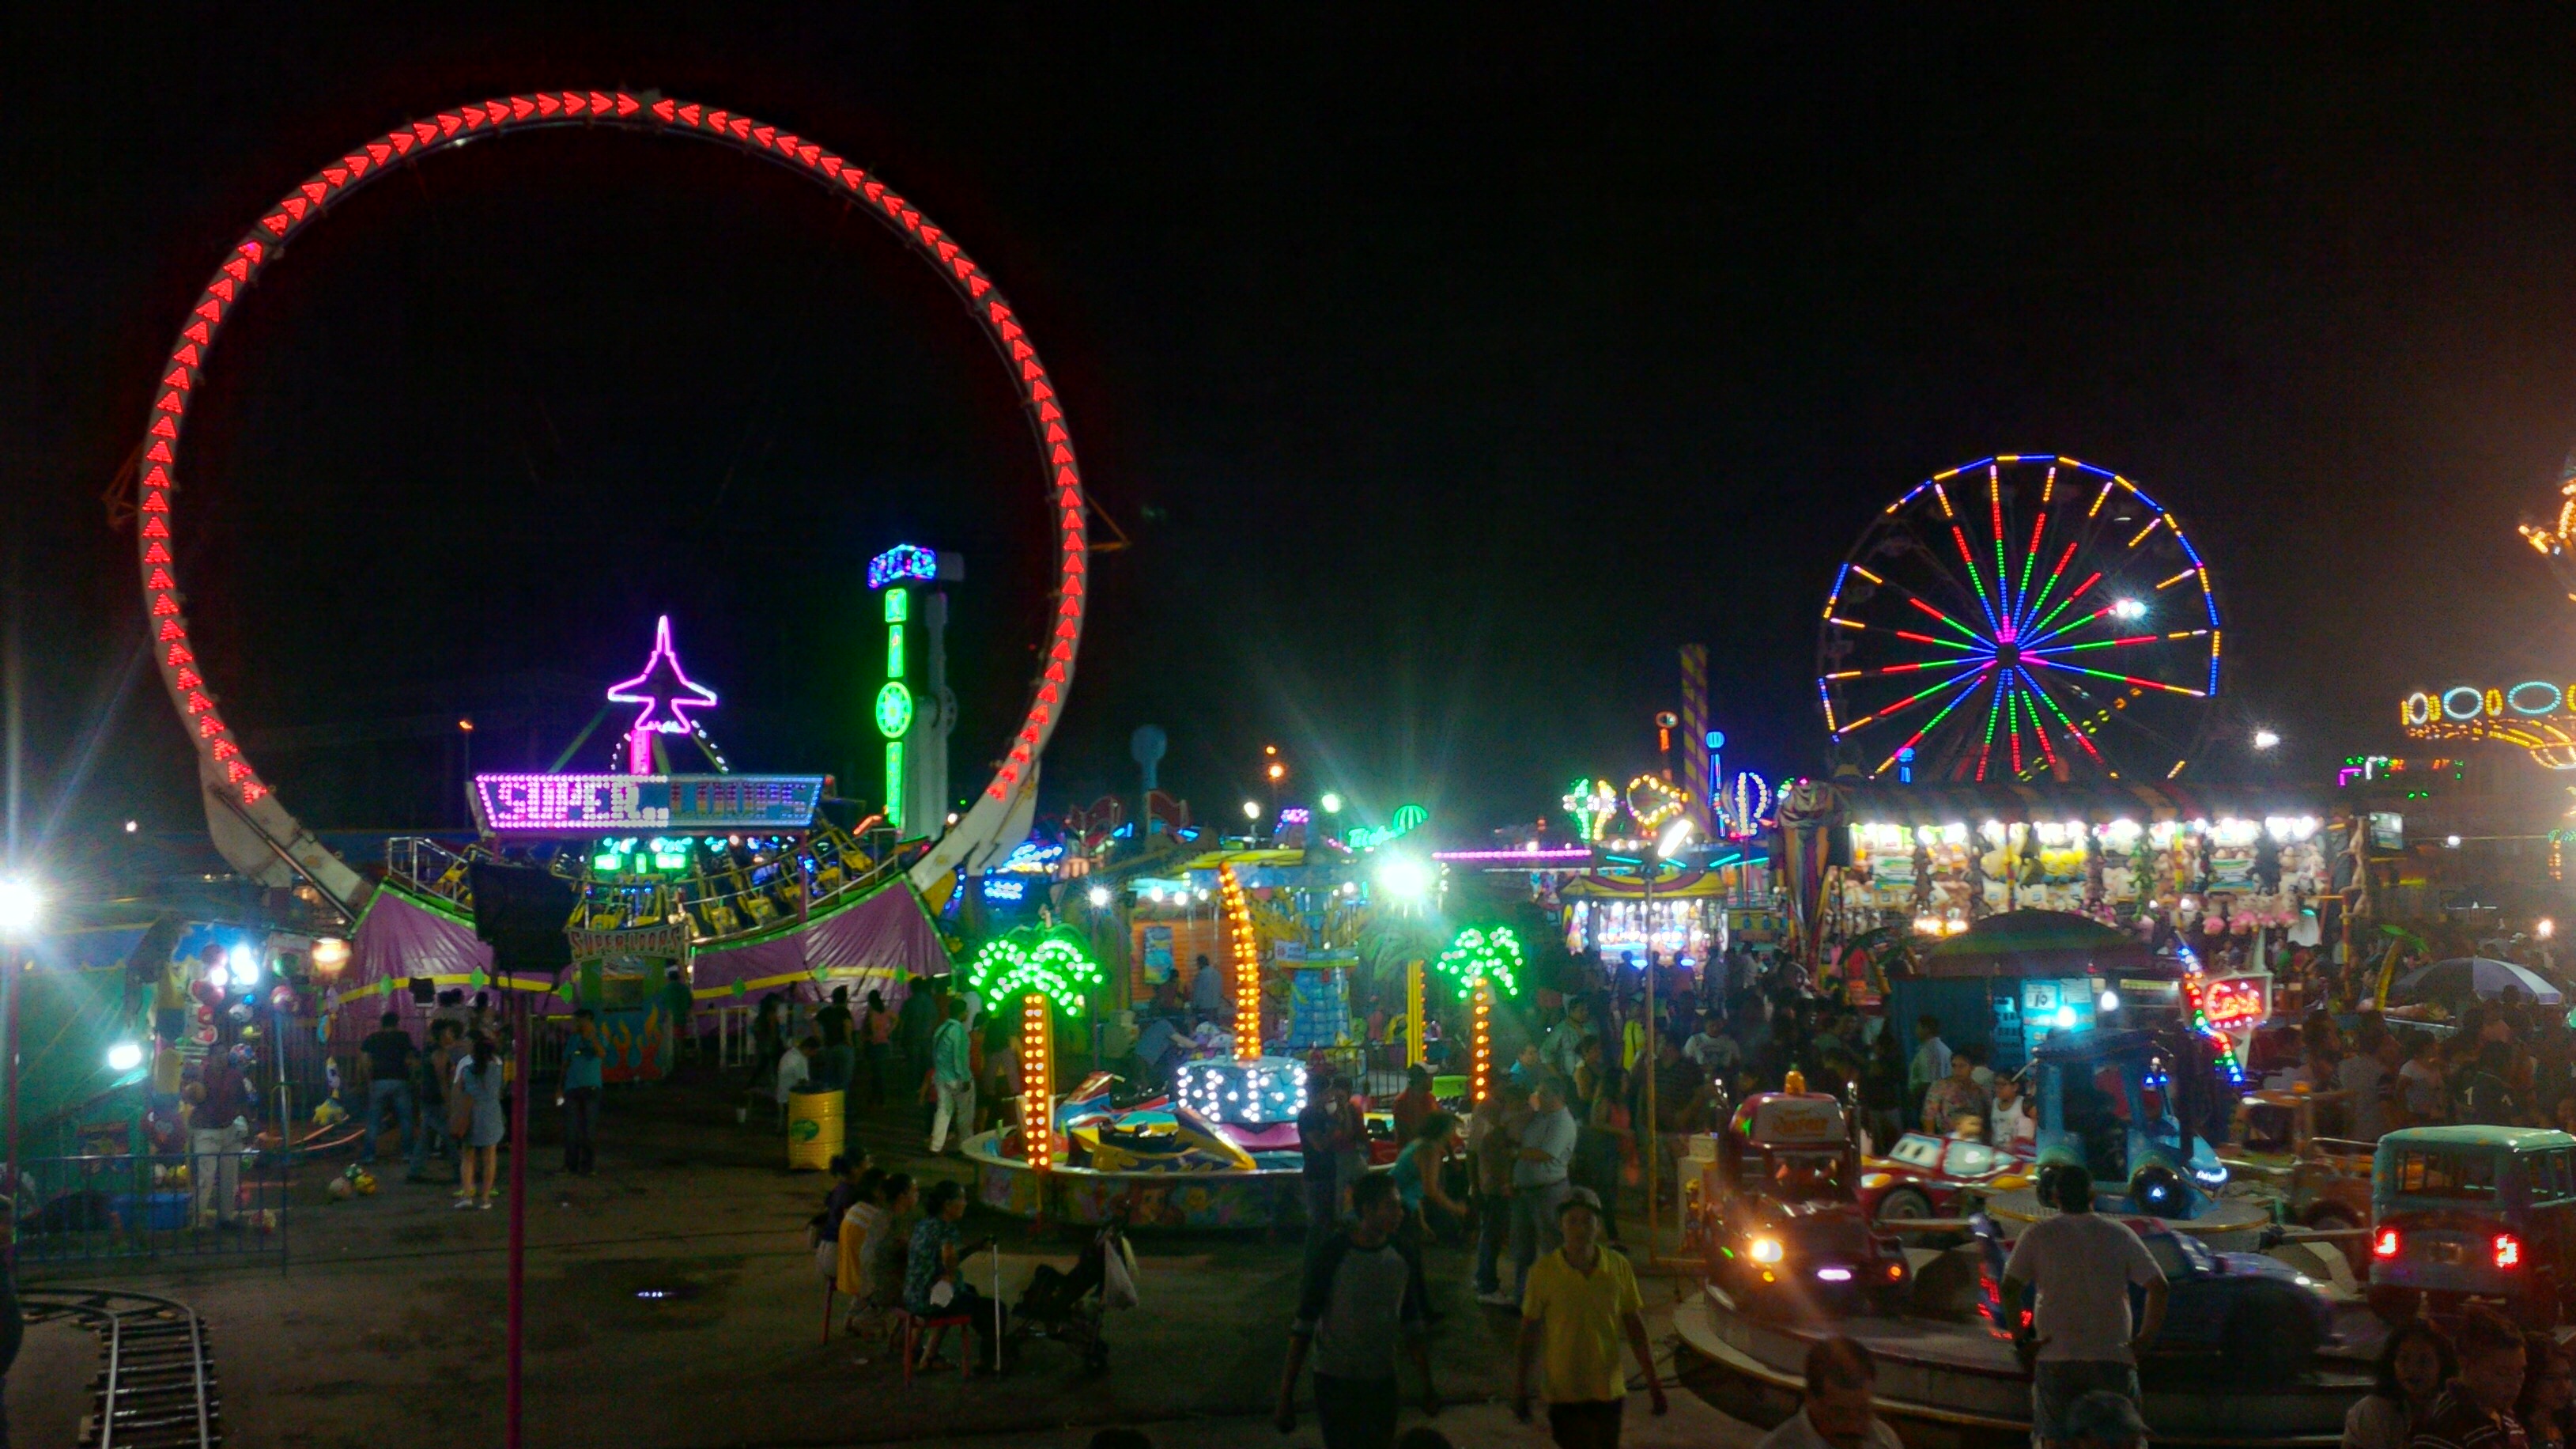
(665, 865)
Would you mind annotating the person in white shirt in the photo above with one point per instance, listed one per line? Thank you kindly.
(796, 1069)
(1838, 1414)
(1714, 1051)
(2013, 1125)
(2419, 1082)
(2080, 1265)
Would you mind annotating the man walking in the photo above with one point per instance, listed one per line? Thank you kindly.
(389, 1053)
(952, 1078)
(2081, 1266)
(1580, 1301)
(1539, 1182)
(1355, 1307)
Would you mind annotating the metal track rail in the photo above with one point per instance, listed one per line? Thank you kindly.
(156, 1388)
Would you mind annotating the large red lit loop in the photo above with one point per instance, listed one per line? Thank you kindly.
(221, 762)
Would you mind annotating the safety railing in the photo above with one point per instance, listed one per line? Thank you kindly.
(738, 900)
(223, 1203)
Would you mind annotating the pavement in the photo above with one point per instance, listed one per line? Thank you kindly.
(672, 1304)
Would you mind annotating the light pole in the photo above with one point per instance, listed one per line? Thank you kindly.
(22, 905)
(1675, 836)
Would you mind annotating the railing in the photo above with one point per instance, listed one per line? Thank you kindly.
(717, 909)
(82, 1211)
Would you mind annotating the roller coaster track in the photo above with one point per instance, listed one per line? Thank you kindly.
(156, 1389)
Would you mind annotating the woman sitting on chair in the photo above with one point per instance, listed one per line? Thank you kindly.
(933, 1286)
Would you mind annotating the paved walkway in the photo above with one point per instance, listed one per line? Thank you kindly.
(672, 1305)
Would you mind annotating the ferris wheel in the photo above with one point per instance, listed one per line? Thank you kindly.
(2019, 619)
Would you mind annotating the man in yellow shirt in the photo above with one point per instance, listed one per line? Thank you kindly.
(1579, 1301)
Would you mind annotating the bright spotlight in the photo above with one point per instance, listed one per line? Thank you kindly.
(244, 961)
(2128, 609)
(1099, 898)
(2066, 1017)
(125, 1056)
(20, 904)
(2110, 1002)
(132, 826)
(2451, 841)
(1675, 836)
(2544, 928)
(1251, 809)
(1331, 802)
(2265, 739)
(1404, 878)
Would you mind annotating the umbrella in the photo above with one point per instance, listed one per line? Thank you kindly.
(2481, 975)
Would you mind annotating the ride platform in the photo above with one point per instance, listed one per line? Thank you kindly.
(1956, 1382)
(1225, 1198)
(2227, 1225)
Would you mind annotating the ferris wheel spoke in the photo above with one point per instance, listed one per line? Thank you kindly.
(1976, 671)
(2078, 736)
(2131, 641)
(2123, 678)
(1931, 724)
(1959, 536)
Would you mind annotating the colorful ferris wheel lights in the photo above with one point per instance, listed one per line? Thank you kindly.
(2005, 633)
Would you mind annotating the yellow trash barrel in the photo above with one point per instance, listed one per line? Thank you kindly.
(813, 1130)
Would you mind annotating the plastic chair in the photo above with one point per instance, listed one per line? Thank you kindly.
(937, 1327)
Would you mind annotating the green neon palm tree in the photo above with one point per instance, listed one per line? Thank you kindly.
(1046, 972)
(1054, 964)
(1479, 959)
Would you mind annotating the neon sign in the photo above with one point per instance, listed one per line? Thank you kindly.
(2234, 1003)
(1593, 804)
(901, 562)
(2536, 715)
(614, 804)
(666, 692)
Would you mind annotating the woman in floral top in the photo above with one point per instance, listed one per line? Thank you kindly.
(936, 1252)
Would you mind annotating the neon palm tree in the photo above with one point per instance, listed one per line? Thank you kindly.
(1047, 971)
(1478, 959)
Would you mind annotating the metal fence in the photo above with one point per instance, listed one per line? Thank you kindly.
(83, 1211)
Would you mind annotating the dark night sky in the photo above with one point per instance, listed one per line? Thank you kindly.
(1446, 372)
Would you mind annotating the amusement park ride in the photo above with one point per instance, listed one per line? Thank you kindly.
(2018, 619)
(251, 824)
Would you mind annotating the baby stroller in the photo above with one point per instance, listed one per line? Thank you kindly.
(1068, 1307)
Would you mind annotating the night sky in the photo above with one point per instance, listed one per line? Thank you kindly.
(1447, 369)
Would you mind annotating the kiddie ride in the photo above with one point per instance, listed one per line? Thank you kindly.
(2108, 1100)
(1159, 1162)
(1780, 1224)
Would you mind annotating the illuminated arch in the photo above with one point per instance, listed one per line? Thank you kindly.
(229, 775)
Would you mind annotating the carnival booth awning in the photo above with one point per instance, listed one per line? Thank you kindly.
(2094, 804)
(2464, 976)
(2035, 943)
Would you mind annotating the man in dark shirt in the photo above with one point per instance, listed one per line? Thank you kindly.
(832, 1023)
(1356, 1306)
(219, 1112)
(388, 1054)
(2476, 1411)
(1322, 1138)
